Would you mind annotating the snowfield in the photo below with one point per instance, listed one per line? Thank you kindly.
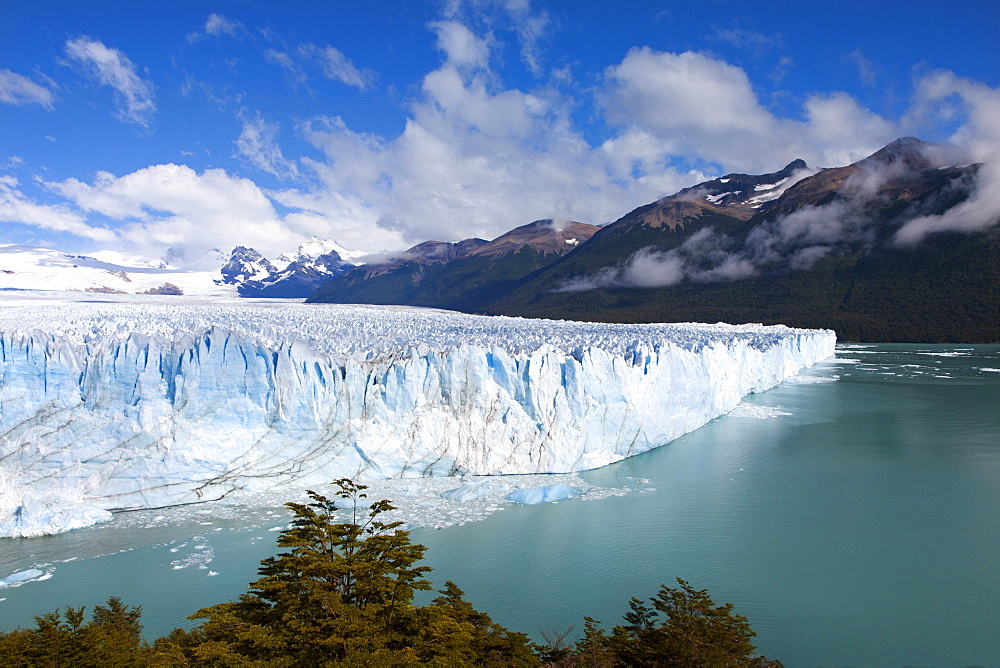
(126, 402)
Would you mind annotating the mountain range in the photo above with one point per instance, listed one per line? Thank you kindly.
(462, 276)
(244, 272)
(827, 248)
(292, 275)
(857, 249)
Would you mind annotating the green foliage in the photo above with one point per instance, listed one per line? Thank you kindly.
(344, 588)
(680, 627)
(487, 642)
(343, 595)
(110, 638)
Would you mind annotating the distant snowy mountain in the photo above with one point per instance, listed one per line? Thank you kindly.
(33, 268)
(244, 272)
(246, 264)
(295, 274)
(317, 247)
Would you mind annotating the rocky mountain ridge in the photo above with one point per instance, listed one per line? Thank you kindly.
(463, 275)
(296, 274)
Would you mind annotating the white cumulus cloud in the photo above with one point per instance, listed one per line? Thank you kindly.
(472, 160)
(475, 158)
(478, 157)
(15, 207)
(164, 206)
(693, 105)
(462, 47)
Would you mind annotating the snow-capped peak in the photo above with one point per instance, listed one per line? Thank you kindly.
(315, 247)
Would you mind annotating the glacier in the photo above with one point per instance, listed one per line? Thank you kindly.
(128, 402)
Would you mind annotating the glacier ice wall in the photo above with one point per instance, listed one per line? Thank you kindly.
(119, 405)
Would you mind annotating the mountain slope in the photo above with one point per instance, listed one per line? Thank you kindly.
(461, 276)
(944, 291)
(721, 205)
(821, 255)
(807, 248)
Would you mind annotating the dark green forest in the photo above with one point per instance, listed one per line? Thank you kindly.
(947, 290)
(342, 594)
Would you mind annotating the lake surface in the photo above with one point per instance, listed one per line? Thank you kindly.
(852, 514)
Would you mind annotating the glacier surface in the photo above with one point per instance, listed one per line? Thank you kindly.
(141, 403)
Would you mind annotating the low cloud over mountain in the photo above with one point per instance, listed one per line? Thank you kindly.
(909, 186)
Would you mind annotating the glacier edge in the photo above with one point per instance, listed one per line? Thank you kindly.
(122, 405)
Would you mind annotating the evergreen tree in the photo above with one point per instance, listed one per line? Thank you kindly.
(484, 642)
(344, 589)
(681, 627)
(343, 595)
(115, 634)
(111, 638)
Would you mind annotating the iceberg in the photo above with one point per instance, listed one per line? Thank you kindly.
(547, 494)
(20, 578)
(132, 402)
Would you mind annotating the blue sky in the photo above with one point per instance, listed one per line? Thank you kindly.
(134, 126)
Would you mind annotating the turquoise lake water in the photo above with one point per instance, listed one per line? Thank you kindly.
(853, 515)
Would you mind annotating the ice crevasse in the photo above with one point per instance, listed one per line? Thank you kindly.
(124, 405)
